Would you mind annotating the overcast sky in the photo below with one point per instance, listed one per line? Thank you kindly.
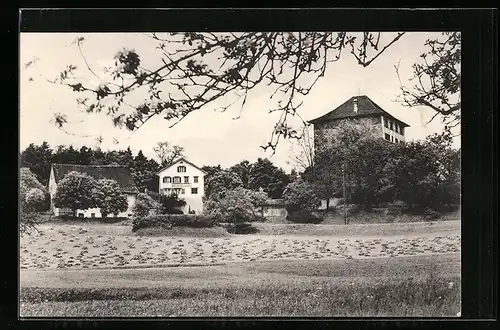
(208, 136)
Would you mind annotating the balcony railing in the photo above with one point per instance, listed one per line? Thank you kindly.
(180, 185)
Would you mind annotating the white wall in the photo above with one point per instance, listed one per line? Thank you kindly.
(392, 133)
(193, 201)
(97, 212)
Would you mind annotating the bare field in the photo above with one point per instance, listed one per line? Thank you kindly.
(107, 246)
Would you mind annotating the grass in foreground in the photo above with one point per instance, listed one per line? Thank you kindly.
(432, 298)
(409, 286)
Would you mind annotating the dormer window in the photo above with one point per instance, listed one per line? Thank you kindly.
(181, 169)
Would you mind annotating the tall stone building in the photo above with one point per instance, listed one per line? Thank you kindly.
(356, 108)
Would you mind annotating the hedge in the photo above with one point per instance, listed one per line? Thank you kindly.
(304, 216)
(174, 220)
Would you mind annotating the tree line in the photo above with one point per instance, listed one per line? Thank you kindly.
(262, 174)
(38, 158)
(355, 163)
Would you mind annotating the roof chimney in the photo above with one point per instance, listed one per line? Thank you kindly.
(355, 104)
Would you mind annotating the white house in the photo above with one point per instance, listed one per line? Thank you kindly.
(120, 174)
(186, 180)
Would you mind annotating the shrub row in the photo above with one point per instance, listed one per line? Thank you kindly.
(168, 221)
(303, 216)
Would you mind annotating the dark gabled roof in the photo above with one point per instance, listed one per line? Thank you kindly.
(120, 174)
(366, 108)
(178, 160)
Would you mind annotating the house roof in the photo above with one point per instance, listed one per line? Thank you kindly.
(120, 174)
(177, 161)
(366, 108)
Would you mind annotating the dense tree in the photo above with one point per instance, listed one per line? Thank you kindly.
(28, 180)
(207, 67)
(211, 169)
(86, 156)
(66, 155)
(99, 157)
(38, 159)
(301, 195)
(34, 198)
(126, 158)
(74, 191)
(218, 183)
(342, 163)
(144, 172)
(426, 174)
(145, 206)
(109, 198)
(236, 206)
(171, 204)
(167, 152)
(264, 174)
(242, 169)
(293, 176)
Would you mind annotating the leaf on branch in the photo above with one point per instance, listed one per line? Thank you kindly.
(78, 87)
(60, 119)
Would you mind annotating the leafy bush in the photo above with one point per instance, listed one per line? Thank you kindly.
(161, 221)
(168, 221)
(145, 206)
(300, 195)
(218, 183)
(431, 214)
(303, 216)
(237, 206)
(109, 197)
(75, 191)
(241, 228)
(34, 198)
(192, 220)
(426, 174)
(170, 204)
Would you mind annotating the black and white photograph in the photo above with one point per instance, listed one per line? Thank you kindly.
(240, 174)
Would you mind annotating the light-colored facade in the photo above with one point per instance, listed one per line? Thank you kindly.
(392, 130)
(186, 180)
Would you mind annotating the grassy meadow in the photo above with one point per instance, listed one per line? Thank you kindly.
(87, 269)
